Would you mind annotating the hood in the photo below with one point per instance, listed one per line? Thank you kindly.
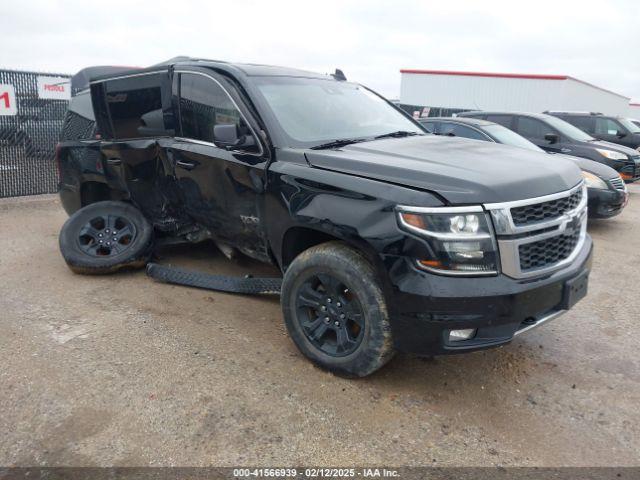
(462, 171)
(597, 168)
(614, 146)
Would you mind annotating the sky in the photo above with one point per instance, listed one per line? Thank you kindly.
(598, 42)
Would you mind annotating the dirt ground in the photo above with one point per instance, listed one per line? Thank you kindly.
(121, 370)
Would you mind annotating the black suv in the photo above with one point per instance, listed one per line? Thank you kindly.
(619, 130)
(606, 190)
(555, 135)
(388, 238)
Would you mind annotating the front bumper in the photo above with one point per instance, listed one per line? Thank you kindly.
(425, 307)
(606, 203)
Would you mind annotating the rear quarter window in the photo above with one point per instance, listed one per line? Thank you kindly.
(79, 121)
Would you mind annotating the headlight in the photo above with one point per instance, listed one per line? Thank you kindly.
(611, 154)
(593, 181)
(460, 239)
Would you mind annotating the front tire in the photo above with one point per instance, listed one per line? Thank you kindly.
(335, 311)
(105, 237)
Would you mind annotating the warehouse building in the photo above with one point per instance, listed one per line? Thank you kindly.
(634, 110)
(438, 92)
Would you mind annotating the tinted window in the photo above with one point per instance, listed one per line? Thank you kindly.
(456, 130)
(566, 129)
(135, 106)
(509, 137)
(81, 105)
(532, 128)
(79, 122)
(429, 126)
(504, 120)
(583, 123)
(607, 126)
(203, 104)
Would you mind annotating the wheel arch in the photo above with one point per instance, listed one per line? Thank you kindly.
(92, 191)
(299, 238)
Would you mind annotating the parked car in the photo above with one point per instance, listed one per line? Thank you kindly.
(635, 122)
(35, 128)
(607, 192)
(388, 238)
(555, 135)
(619, 130)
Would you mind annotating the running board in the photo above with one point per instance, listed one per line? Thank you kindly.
(222, 283)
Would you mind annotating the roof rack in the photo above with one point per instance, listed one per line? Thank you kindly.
(572, 112)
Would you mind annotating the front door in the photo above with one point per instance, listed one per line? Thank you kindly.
(609, 130)
(536, 131)
(222, 188)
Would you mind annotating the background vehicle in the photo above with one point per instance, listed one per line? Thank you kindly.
(36, 128)
(388, 238)
(619, 130)
(607, 192)
(555, 135)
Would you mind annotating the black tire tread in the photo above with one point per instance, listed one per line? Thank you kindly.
(83, 264)
(379, 348)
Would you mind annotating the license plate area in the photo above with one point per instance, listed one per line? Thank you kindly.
(575, 290)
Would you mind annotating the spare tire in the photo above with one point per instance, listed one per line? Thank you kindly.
(105, 237)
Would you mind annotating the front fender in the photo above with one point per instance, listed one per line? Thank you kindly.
(357, 210)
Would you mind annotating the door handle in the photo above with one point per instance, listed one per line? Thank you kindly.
(185, 165)
(114, 161)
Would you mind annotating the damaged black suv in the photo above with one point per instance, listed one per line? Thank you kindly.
(388, 238)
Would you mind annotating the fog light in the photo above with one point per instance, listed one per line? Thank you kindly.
(459, 335)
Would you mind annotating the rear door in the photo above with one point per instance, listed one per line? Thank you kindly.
(135, 119)
(222, 188)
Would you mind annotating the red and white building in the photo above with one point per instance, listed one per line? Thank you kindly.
(450, 91)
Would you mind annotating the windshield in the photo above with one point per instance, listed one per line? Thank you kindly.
(629, 125)
(509, 137)
(568, 130)
(315, 111)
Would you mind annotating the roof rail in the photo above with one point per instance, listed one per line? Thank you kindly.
(572, 112)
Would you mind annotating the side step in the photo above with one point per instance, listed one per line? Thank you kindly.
(221, 283)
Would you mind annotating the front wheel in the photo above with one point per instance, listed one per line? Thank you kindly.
(335, 311)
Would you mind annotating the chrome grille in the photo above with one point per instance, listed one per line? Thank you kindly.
(543, 253)
(617, 183)
(542, 211)
(538, 236)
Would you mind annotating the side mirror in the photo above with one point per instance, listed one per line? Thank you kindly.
(228, 137)
(620, 134)
(552, 138)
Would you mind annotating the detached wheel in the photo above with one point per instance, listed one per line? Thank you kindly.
(335, 311)
(105, 237)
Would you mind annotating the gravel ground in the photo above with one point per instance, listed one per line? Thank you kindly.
(120, 370)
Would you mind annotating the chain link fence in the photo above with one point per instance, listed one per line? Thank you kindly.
(32, 110)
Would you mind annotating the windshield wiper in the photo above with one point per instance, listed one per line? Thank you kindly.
(398, 134)
(342, 142)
